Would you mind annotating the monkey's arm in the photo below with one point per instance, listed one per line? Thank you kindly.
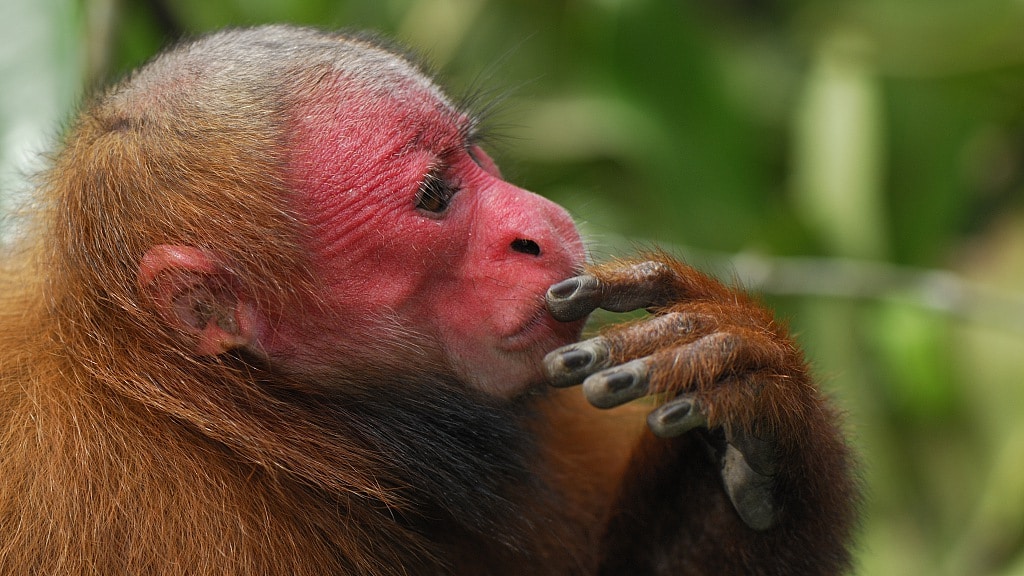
(745, 470)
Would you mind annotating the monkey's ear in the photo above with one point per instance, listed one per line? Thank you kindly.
(197, 295)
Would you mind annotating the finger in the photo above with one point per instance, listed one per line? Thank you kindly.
(574, 298)
(648, 336)
(708, 359)
(620, 289)
(618, 385)
(570, 365)
(694, 365)
(677, 417)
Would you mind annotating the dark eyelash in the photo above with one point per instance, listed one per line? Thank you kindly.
(436, 191)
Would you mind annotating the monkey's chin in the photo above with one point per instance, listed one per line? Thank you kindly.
(510, 383)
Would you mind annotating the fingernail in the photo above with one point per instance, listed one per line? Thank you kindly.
(676, 418)
(619, 381)
(564, 289)
(574, 298)
(617, 386)
(576, 359)
(675, 413)
(570, 365)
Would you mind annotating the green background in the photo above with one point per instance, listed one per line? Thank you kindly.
(860, 164)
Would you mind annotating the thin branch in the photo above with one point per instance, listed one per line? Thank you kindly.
(939, 291)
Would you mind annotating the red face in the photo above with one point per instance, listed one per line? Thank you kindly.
(414, 231)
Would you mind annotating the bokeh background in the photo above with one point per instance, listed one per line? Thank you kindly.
(860, 164)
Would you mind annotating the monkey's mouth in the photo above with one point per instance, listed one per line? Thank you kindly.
(541, 330)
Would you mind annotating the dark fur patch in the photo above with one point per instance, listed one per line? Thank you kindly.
(463, 460)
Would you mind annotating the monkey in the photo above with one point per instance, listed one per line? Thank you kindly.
(272, 309)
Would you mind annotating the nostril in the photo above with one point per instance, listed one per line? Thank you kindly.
(525, 246)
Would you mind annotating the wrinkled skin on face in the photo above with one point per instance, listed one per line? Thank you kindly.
(413, 226)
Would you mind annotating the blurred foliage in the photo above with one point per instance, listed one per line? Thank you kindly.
(881, 141)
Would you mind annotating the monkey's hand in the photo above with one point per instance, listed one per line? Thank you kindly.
(717, 362)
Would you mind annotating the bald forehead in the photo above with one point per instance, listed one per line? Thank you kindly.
(286, 57)
(271, 68)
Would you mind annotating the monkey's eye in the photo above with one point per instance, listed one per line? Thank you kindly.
(435, 192)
